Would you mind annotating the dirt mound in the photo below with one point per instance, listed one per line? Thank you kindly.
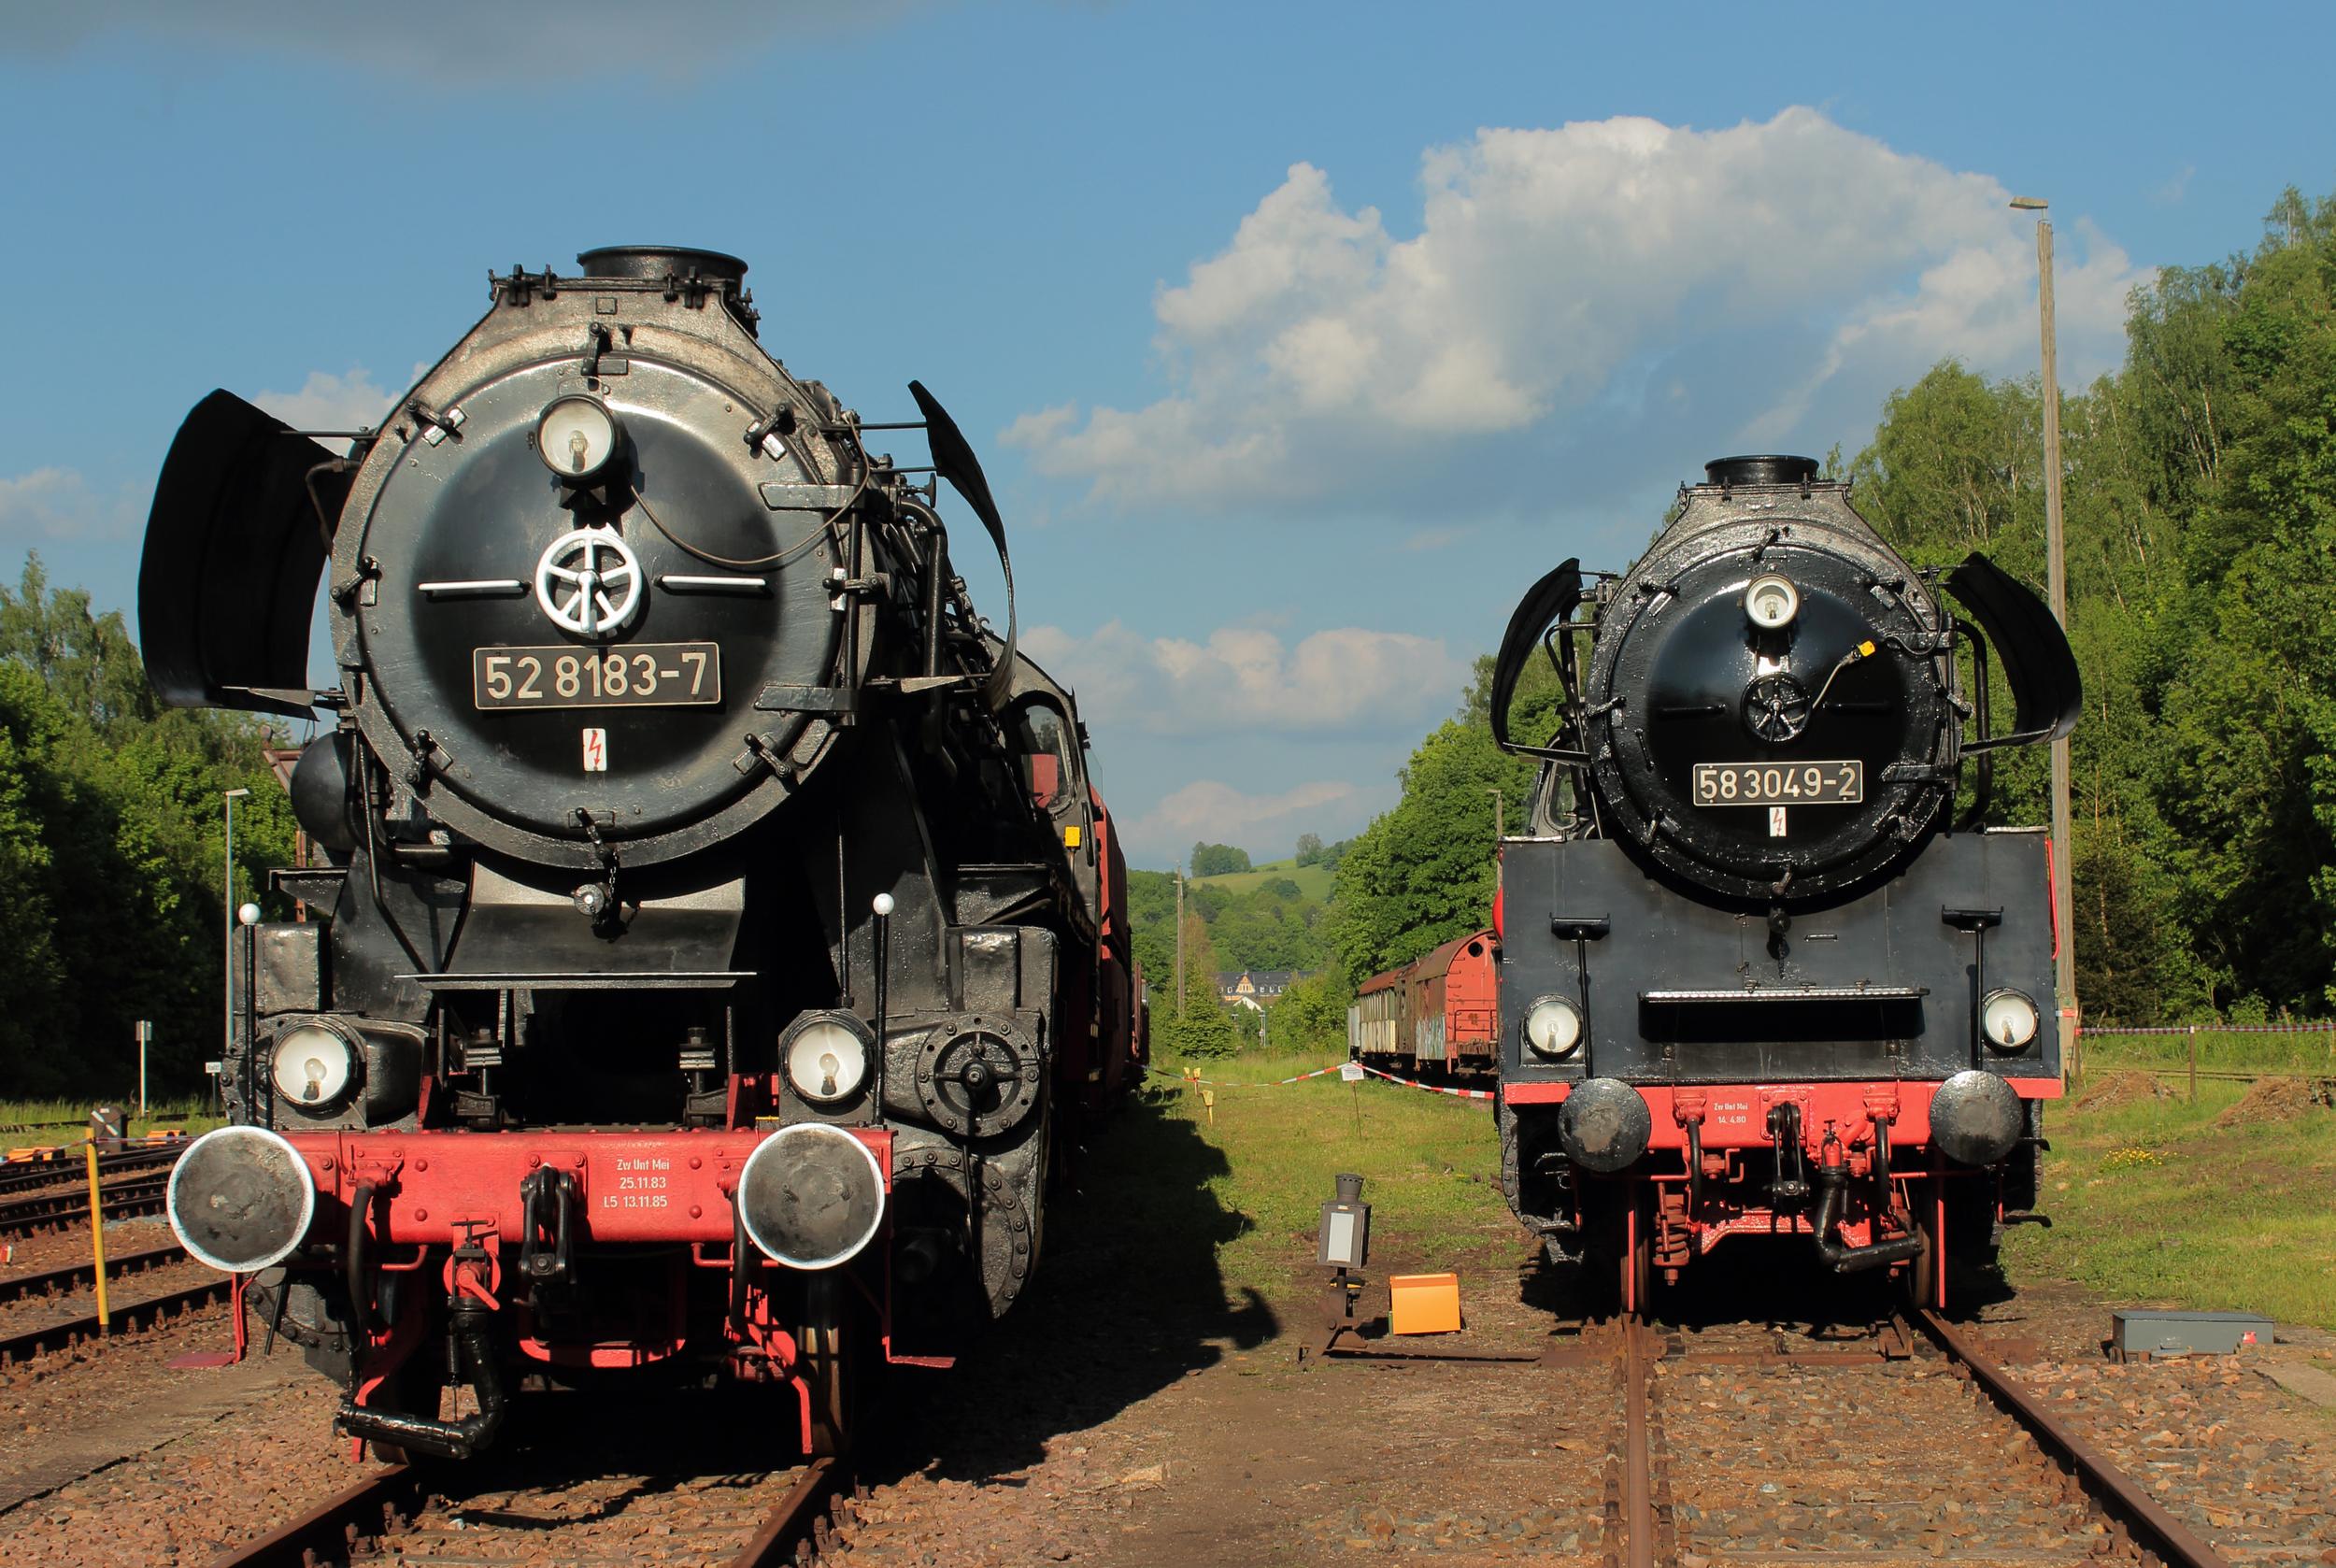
(2280, 1099)
(2114, 1091)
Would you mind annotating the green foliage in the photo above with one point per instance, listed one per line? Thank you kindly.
(1202, 1026)
(2200, 526)
(110, 847)
(1219, 860)
(1422, 873)
(1311, 1015)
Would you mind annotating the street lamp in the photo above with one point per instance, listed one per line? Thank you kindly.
(2056, 574)
(228, 902)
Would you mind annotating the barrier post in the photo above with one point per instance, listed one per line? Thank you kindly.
(97, 1235)
(2193, 1064)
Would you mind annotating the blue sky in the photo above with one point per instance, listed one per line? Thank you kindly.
(1298, 339)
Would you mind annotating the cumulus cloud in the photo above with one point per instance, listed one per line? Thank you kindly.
(1557, 276)
(330, 402)
(1220, 814)
(1342, 678)
(60, 503)
(487, 43)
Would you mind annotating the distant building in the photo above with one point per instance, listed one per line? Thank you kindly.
(1255, 988)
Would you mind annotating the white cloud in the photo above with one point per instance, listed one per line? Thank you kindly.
(2177, 185)
(60, 503)
(490, 44)
(1220, 814)
(1620, 262)
(1343, 679)
(330, 402)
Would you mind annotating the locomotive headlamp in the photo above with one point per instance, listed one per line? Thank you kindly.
(2008, 1021)
(827, 1057)
(576, 437)
(1553, 1028)
(1771, 602)
(315, 1067)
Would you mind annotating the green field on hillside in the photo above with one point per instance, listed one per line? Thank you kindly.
(1312, 880)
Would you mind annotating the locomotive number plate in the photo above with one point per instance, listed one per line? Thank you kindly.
(1780, 783)
(642, 675)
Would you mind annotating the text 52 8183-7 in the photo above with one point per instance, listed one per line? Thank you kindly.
(641, 674)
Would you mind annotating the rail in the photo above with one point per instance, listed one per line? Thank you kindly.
(76, 1276)
(138, 1194)
(124, 1318)
(359, 1519)
(2131, 1509)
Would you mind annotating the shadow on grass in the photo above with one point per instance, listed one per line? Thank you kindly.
(1128, 1299)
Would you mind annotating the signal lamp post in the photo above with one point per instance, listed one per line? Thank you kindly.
(228, 902)
(2056, 574)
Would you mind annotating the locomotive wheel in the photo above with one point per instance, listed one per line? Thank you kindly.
(1637, 1276)
(832, 1343)
(1616, 1272)
(1920, 1279)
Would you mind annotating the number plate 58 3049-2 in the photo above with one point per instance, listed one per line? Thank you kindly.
(1780, 783)
(641, 674)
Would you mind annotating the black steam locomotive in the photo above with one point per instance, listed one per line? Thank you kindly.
(713, 943)
(1758, 976)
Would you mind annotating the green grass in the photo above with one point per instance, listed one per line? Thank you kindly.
(2153, 1204)
(1430, 1163)
(1312, 880)
(190, 1114)
(2218, 1051)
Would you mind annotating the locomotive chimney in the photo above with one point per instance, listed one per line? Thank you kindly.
(1768, 469)
(654, 262)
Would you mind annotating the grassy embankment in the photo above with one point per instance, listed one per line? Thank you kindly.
(1429, 1164)
(2153, 1201)
(1312, 880)
(191, 1116)
(2158, 1201)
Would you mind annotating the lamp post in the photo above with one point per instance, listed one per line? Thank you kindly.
(1180, 940)
(2055, 575)
(228, 902)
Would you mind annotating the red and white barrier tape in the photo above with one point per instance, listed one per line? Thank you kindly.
(1430, 1088)
(1267, 1083)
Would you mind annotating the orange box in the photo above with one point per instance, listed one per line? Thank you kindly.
(1423, 1304)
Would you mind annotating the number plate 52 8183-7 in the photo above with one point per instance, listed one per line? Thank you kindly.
(640, 675)
(1841, 783)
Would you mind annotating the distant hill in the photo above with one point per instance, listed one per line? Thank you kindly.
(1314, 881)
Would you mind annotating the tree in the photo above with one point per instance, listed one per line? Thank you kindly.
(110, 853)
(1219, 860)
(1422, 873)
(1204, 1027)
(1309, 847)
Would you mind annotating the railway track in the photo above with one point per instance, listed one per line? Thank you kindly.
(82, 1276)
(137, 1193)
(124, 1318)
(28, 1176)
(777, 1517)
(1643, 1526)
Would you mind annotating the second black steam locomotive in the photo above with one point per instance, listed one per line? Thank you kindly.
(1758, 976)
